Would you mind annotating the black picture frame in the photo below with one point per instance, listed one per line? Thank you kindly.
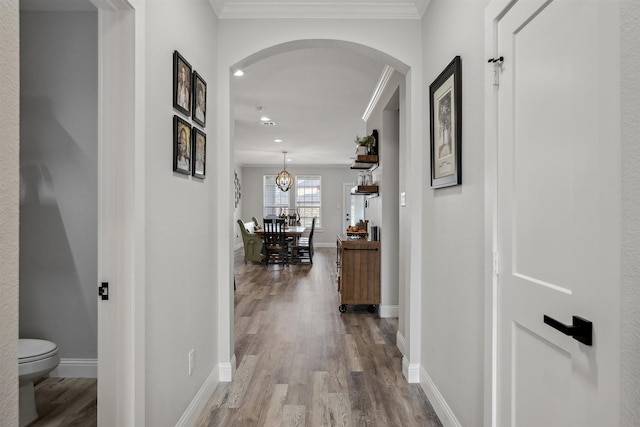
(182, 133)
(445, 105)
(199, 97)
(199, 153)
(182, 84)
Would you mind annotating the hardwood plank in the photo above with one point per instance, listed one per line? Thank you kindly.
(305, 363)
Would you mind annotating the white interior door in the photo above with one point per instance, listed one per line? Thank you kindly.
(557, 210)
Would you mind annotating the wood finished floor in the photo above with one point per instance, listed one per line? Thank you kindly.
(302, 363)
(66, 402)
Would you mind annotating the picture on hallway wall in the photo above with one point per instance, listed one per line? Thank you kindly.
(199, 154)
(445, 104)
(199, 99)
(182, 76)
(181, 146)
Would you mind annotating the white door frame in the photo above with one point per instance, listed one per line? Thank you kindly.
(493, 13)
(121, 210)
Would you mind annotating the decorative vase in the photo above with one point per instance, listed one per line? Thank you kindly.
(362, 150)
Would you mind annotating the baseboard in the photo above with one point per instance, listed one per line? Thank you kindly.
(387, 311)
(197, 405)
(227, 370)
(76, 368)
(440, 405)
(324, 245)
(411, 371)
(401, 343)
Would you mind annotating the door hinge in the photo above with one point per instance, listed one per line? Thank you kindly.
(103, 290)
(495, 264)
(497, 62)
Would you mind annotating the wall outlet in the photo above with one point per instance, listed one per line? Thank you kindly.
(192, 360)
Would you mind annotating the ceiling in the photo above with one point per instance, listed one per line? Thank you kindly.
(316, 97)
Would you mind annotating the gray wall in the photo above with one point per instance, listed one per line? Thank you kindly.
(58, 180)
(332, 180)
(630, 160)
(181, 261)
(453, 283)
(9, 230)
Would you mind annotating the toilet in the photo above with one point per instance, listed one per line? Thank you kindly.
(36, 358)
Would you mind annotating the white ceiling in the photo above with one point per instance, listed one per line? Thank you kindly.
(315, 96)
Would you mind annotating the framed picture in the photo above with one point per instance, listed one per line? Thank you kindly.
(199, 154)
(445, 104)
(199, 99)
(182, 73)
(181, 146)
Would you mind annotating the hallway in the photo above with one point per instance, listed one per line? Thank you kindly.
(301, 362)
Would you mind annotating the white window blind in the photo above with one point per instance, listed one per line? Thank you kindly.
(308, 198)
(274, 199)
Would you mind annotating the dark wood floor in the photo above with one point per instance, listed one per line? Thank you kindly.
(301, 362)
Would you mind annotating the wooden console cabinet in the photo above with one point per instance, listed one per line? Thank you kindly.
(358, 262)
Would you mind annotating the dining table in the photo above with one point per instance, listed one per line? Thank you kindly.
(290, 231)
(293, 231)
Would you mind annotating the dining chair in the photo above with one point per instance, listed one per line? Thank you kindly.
(275, 244)
(303, 249)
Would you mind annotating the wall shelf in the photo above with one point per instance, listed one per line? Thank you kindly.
(369, 161)
(365, 190)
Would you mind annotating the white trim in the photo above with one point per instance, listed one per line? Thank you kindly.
(387, 311)
(493, 12)
(324, 245)
(411, 371)
(444, 412)
(76, 368)
(318, 10)
(227, 370)
(197, 405)
(386, 74)
(401, 343)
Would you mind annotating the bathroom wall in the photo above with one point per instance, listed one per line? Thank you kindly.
(58, 180)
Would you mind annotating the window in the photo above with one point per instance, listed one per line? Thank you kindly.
(308, 198)
(274, 199)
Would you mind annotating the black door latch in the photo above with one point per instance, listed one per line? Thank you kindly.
(103, 290)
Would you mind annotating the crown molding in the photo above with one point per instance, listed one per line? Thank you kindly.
(380, 87)
(317, 10)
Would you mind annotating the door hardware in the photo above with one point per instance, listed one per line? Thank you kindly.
(103, 290)
(581, 330)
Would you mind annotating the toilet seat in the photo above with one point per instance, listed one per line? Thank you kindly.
(32, 350)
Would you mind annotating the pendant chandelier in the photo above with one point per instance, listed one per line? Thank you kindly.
(284, 180)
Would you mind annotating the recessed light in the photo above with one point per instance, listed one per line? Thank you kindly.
(289, 159)
(238, 73)
(277, 140)
(265, 119)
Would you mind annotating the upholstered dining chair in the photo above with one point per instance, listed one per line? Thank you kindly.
(252, 243)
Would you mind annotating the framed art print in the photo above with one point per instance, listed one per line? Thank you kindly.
(445, 104)
(181, 146)
(182, 76)
(199, 154)
(199, 99)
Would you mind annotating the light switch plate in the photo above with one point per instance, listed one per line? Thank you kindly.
(403, 199)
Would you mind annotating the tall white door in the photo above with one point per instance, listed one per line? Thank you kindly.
(558, 213)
